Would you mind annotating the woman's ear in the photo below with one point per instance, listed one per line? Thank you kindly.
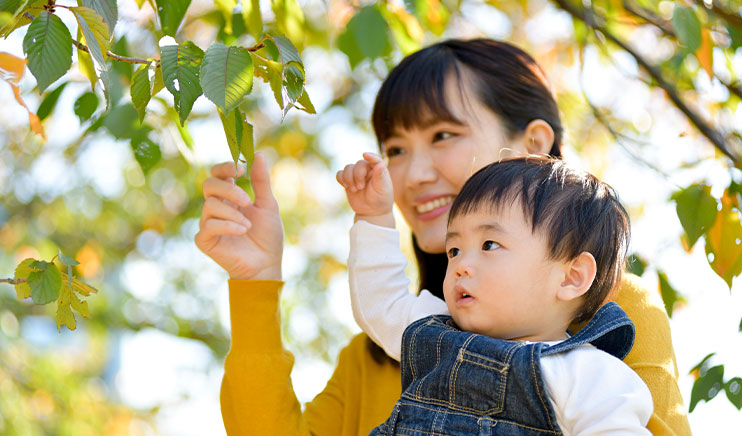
(578, 277)
(538, 137)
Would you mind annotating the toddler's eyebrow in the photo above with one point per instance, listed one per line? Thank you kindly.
(481, 229)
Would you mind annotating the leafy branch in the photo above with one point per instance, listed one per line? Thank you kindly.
(597, 22)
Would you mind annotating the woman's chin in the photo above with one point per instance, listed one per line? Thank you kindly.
(431, 240)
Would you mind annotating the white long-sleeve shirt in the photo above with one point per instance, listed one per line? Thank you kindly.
(592, 392)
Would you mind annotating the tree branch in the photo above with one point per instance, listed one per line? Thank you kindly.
(114, 56)
(589, 18)
(13, 281)
(721, 10)
(666, 28)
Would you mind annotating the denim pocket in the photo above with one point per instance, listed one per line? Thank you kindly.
(478, 383)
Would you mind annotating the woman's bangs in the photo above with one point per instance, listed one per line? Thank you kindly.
(414, 94)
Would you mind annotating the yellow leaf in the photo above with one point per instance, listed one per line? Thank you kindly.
(414, 30)
(64, 312)
(33, 120)
(705, 53)
(724, 241)
(22, 271)
(80, 287)
(80, 306)
(13, 66)
(85, 63)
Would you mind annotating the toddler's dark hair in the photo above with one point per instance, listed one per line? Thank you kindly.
(574, 211)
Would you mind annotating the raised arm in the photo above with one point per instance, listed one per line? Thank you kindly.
(379, 291)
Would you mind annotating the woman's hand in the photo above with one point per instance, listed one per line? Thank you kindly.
(244, 238)
(369, 189)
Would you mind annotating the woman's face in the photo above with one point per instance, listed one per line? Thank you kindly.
(429, 164)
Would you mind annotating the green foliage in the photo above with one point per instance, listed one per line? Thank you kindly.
(687, 27)
(97, 37)
(48, 45)
(171, 13)
(636, 264)
(670, 295)
(108, 9)
(226, 75)
(50, 101)
(85, 106)
(710, 382)
(180, 73)
(696, 209)
(239, 136)
(355, 41)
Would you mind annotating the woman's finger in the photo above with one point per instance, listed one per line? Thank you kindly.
(226, 170)
(223, 190)
(261, 183)
(214, 228)
(214, 208)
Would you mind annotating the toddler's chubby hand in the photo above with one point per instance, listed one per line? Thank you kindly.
(368, 186)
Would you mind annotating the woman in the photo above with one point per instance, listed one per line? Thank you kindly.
(443, 113)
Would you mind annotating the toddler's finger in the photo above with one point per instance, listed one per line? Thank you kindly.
(372, 158)
(347, 178)
(360, 172)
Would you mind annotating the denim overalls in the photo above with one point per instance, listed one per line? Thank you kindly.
(461, 383)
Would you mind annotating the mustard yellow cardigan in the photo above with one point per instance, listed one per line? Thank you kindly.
(257, 397)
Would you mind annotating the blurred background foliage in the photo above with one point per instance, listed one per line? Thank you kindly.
(650, 94)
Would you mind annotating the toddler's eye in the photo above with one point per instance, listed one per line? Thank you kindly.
(392, 151)
(490, 245)
(453, 252)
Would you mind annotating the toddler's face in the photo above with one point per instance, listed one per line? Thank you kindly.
(500, 281)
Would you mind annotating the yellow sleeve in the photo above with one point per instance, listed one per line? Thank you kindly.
(653, 357)
(257, 397)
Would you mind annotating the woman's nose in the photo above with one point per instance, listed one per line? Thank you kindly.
(421, 169)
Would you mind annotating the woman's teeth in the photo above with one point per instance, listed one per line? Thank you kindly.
(434, 204)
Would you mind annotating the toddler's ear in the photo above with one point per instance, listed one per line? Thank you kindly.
(578, 277)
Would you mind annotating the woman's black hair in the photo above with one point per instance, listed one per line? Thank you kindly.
(507, 80)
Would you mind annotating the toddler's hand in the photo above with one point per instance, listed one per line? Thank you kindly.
(368, 186)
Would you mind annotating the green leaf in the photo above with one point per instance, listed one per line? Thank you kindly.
(45, 282)
(670, 296)
(702, 363)
(10, 5)
(306, 103)
(636, 265)
(141, 88)
(146, 153)
(48, 46)
(239, 136)
(50, 101)
(171, 13)
(122, 121)
(86, 105)
(97, 38)
(226, 75)
(733, 389)
(106, 9)
(284, 59)
(271, 72)
(707, 385)
(687, 27)
(253, 18)
(696, 210)
(180, 71)
(22, 271)
(366, 36)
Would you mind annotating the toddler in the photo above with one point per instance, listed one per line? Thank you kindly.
(533, 245)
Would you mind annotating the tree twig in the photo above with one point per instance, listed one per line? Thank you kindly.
(13, 281)
(114, 56)
(591, 19)
(662, 24)
(721, 10)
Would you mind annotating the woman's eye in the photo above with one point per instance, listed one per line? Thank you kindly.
(440, 136)
(490, 245)
(453, 252)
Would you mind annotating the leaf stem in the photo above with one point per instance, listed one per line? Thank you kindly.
(13, 281)
(114, 56)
